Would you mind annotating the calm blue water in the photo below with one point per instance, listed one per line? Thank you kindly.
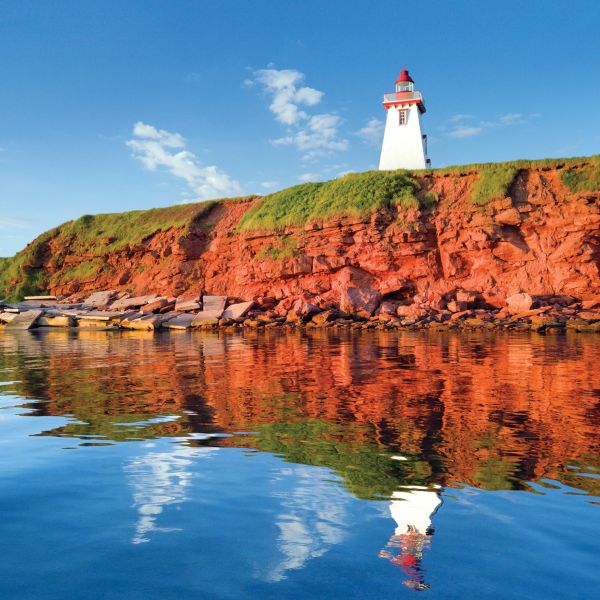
(294, 465)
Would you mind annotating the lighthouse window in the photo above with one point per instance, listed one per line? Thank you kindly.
(402, 117)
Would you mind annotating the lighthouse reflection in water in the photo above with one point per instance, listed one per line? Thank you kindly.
(309, 464)
(412, 509)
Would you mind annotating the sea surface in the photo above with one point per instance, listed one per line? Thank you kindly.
(298, 465)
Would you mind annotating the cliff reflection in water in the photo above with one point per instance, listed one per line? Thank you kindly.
(395, 416)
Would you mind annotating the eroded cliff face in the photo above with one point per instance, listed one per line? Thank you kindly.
(542, 239)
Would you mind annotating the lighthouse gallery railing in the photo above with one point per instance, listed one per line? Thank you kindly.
(400, 96)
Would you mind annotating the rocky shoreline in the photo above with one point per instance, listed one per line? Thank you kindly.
(456, 311)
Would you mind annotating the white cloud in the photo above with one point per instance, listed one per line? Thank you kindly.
(315, 135)
(171, 140)
(463, 132)
(269, 185)
(156, 148)
(512, 119)
(282, 85)
(372, 132)
(308, 176)
(460, 117)
(460, 129)
(318, 137)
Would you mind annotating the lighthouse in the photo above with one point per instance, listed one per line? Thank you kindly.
(404, 143)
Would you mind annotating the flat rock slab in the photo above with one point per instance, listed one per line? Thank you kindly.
(101, 298)
(206, 316)
(28, 304)
(156, 305)
(237, 311)
(42, 298)
(125, 303)
(7, 317)
(183, 321)
(24, 320)
(95, 324)
(56, 321)
(214, 303)
(187, 305)
(142, 323)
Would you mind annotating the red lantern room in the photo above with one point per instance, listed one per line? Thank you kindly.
(404, 83)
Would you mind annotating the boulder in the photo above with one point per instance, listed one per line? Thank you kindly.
(590, 304)
(455, 306)
(592, 316)
(359, 301)
(412, 311)
(468, 299)
(301, 310)
(325, 316)
(518, 303)
(510, 216)
(388, 307)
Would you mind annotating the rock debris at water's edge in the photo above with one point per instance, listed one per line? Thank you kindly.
(458, 310)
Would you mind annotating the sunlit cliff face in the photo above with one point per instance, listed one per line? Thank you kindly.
(490, 412)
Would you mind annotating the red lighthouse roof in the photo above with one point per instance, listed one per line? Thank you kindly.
(404, 76)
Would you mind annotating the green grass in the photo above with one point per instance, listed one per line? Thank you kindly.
(354, 195)
(285, 248)
(583, 178)
(495, 179)
(92, 236)
(493, 183)
(539, 164)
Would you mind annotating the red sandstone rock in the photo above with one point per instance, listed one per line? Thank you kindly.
(155, 306)
(590, 304)
(301, 311)
(552, 250)
(590, 316)
(519, 303)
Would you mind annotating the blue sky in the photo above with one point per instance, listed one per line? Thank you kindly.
(111, 106)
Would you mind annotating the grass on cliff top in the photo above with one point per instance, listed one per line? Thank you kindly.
(583, 178)
(492, 183)
(354, 195)
(360, 194)
(108, 232)
(495, 179)
(92, 236)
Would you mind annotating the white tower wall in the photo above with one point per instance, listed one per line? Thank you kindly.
(403, 145)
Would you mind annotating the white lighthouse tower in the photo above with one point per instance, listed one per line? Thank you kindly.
(404, 143)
